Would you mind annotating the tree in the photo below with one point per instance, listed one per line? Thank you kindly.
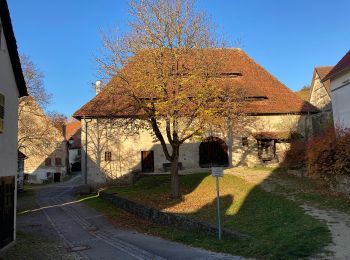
(35, 82)
(58, 119)
(169, 72)
(35, 134)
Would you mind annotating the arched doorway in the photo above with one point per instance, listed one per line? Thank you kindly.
(213, 152)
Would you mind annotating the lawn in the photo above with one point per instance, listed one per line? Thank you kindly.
(312, 192)
(278, 227)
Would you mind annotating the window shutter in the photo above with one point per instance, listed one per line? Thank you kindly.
(2, 112)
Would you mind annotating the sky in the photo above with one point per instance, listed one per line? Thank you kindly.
(288, 38)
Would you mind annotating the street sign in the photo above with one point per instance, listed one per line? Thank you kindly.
(217, 171)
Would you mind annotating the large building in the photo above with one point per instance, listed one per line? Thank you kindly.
(339, 78)
(12, 86)
(274, 116)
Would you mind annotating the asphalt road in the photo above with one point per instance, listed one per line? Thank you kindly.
(91, 236)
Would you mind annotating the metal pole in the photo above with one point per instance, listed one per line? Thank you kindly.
(218, 205)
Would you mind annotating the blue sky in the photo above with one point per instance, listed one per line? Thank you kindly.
(289, 38)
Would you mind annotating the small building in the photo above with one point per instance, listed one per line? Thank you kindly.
(12, 86)
(275, 115)
(43, 144)
(339, 78)
(319, 95)
(73, 136)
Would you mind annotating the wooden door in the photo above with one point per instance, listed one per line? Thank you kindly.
(213, 152)
(57, 177)
(7, 196)
(147, 161)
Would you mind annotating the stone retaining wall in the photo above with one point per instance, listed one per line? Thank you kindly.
(164, 218)
(343, 184)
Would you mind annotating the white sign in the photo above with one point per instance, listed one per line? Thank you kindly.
(217, 172)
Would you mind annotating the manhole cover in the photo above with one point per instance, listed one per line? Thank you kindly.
(78, 248)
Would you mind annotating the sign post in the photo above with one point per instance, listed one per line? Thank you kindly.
(218, 172)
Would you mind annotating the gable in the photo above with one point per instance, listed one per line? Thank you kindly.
(320, 95)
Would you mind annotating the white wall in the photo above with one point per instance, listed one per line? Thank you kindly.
(340, 87)
(126, 150)
(73, 154)
(8, 139)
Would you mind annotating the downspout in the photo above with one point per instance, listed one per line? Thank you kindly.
(86, 149)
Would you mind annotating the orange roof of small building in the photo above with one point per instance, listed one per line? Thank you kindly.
(253, 79)
(73, 130)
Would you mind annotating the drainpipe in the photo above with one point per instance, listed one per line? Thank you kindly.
(86, 149)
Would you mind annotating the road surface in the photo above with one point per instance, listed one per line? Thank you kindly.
(89, 234)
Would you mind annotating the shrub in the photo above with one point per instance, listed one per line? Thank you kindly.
(296, 155)
(328, 155)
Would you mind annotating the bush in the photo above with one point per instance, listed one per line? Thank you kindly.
(328, 155)
(295, 156)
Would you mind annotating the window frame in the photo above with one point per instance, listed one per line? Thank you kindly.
(48, 161)
(108, 156)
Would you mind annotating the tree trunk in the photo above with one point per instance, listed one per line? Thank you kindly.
(175, 189)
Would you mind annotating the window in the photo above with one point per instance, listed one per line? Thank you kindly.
(108, 156)
(2, 112)
(58, 161)
(48, 162)
(244, 141)
(48, 174)
(79, 152)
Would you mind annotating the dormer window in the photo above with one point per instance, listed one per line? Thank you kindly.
(256, 98)
(231, 74)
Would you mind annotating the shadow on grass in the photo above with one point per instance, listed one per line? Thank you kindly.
(278, 227)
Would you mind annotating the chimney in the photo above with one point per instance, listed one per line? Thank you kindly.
(98, 86)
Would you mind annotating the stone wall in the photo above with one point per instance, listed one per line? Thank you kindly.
(165, 218)
(343, 184)
(319, 95)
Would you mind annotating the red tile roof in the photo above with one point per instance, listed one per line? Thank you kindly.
(342, 65)
(254, 80)
(73, 130)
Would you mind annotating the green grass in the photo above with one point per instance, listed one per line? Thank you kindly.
(278, 227)
(313, 193)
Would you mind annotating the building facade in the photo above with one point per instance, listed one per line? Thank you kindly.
(12, 86)
(276, 117)
(320, 92)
